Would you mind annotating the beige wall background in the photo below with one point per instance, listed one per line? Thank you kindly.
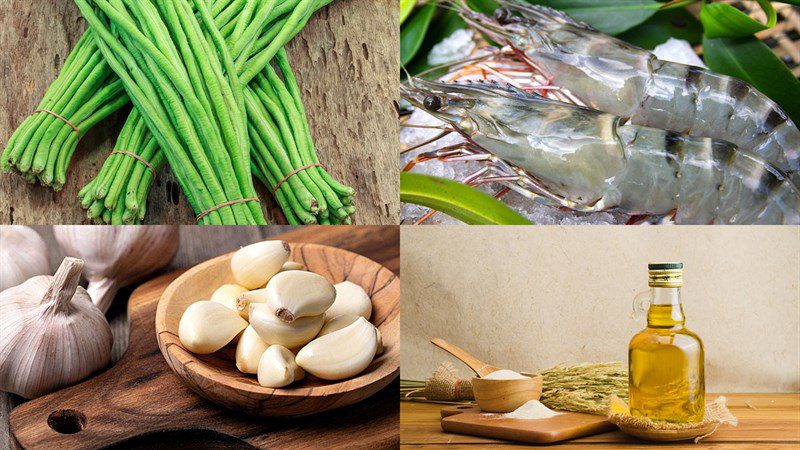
(527, 298)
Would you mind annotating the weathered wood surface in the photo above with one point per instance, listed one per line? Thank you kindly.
(346, 62)
(201, 243)
(765, 421)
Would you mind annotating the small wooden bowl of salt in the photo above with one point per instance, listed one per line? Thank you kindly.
(504, 390)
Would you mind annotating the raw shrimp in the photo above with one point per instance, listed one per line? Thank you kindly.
(616, 77)
(589, 161)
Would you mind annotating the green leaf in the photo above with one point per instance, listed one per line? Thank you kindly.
(751, 60)
(457, 200)
(723, 20)
(413, 33)
(678, 23)
(442, 26)
(608, 16)
(406, 6)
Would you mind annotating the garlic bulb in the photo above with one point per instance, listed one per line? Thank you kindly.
(336, 323)
(275, 331)
(254, 265)
(291, 265)
(340, 354)
(350, 299)
(206, 327)
(51, 334)
(23, 255)
(277, 368)
(117, 256)
(249, 351)
(294, 294)
(226, 295)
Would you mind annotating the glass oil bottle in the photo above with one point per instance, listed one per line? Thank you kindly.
(665, 360)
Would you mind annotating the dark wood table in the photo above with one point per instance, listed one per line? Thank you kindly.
(345, 61)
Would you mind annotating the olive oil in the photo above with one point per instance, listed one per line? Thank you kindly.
(665, 360)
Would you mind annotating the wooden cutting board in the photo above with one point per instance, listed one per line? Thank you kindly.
(140, 402)
(568, 425)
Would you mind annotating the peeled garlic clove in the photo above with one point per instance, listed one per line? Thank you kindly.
(336, 323)
(340, 354)
(277, 368)
(350, 299)
(291, 265)
(254, 265)
(380, 342)
(249, 351)
(275, 331)
(245, 299)
(296, 294)
(206, 327)
(226, 295)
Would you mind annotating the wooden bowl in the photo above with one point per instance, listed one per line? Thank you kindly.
(502, 396)
(215, 376)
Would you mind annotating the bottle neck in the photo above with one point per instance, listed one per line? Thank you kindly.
(665, 308)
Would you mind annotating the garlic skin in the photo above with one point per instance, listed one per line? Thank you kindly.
(380, 342)
(350, 299)
(275, 331)
(341, 354)
(295, 294)
(23, 255)
(249, 351)
(291, 265)
(226, 295)
(117, 256)
(336, 323)
(52, 335)
(277, 368)
(206, 327)
(252, 266)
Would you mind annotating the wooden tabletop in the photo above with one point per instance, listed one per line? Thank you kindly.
(346, 65)
(765, 421)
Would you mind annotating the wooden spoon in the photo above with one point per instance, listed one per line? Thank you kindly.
(480, 367)
(500, 395)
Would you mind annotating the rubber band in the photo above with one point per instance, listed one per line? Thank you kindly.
(293, 173)
(222, 205)
(74, 128)
(458, 381)
(142, 160)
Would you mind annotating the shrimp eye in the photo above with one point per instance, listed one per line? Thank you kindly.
(503, 16)
(432, 103)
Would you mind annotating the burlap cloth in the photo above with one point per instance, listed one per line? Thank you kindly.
(717, 413)
(446, 385)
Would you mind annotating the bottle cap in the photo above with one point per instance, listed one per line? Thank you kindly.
(665, 274)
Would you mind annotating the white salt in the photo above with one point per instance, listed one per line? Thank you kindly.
(531, 410)
(504, 374)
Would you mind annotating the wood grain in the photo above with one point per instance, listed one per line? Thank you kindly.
(346, 63)
(200, 243)
(765, 421)
(216, 377)
(568, 425)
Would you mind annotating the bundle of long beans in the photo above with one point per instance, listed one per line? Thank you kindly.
(42, 146)
(180, 76)
(254, 31)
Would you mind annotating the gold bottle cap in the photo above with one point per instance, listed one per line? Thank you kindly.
(665, 274)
